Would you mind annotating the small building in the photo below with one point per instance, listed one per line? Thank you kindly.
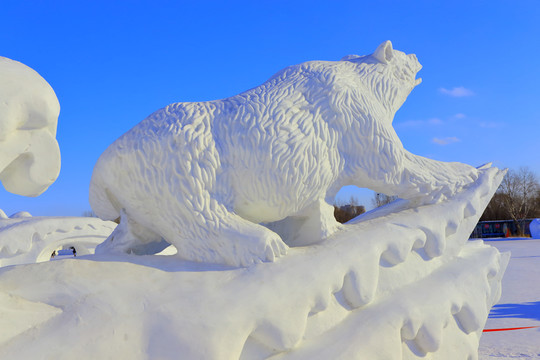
(498, 228)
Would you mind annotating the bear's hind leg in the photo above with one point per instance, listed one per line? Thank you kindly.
(313, 224)
(132, 238)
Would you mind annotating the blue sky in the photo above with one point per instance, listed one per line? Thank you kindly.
(112, 63)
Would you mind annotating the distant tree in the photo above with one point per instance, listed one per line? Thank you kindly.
(380, 199)
(537, 205)
(519, 192)
(496, 209)
(346, 212)
(89, 213)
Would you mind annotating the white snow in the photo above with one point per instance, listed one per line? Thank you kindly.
(519, 305)
(29, 153)
(405, 283)
(148, 308)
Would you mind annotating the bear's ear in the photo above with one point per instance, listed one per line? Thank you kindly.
(350, 57)
(384, 52)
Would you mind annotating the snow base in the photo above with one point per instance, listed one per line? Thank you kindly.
(403, 285)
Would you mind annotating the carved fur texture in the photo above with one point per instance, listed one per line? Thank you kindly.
(204, 175)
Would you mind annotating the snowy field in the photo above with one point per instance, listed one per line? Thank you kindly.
(519, 305)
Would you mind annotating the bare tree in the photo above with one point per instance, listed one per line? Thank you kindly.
(496, 210)
(518, 194)
(380, 199)
(346, 212)
(89, 213)
(537, 204)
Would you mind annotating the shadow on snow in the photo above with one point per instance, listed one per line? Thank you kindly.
(529, 310)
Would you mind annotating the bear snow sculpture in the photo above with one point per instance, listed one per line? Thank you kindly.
(203, 176)
(29, 109)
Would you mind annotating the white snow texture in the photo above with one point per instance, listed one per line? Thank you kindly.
(203, 176)
(29, 153)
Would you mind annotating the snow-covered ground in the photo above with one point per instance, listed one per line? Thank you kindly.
(519, 305)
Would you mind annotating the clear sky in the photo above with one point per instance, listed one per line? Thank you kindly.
(112, 63)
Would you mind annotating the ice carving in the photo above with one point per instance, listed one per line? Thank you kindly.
(29, 153)
(203, 176)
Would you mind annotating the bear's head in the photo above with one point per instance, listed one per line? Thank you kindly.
(389, 74)
(356, 100)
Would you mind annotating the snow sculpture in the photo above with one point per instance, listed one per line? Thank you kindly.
(26, 240)
(29, 153)
(399, 283)
(203, 176)
(29, 164)
(534, 227)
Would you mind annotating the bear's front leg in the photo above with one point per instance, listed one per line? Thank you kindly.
(213, 234)
(242, 243)
(314, 223)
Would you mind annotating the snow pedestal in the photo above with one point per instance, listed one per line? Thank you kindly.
(398, 284)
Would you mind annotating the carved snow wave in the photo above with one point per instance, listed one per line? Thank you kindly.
(400, 285)
(26, 240)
